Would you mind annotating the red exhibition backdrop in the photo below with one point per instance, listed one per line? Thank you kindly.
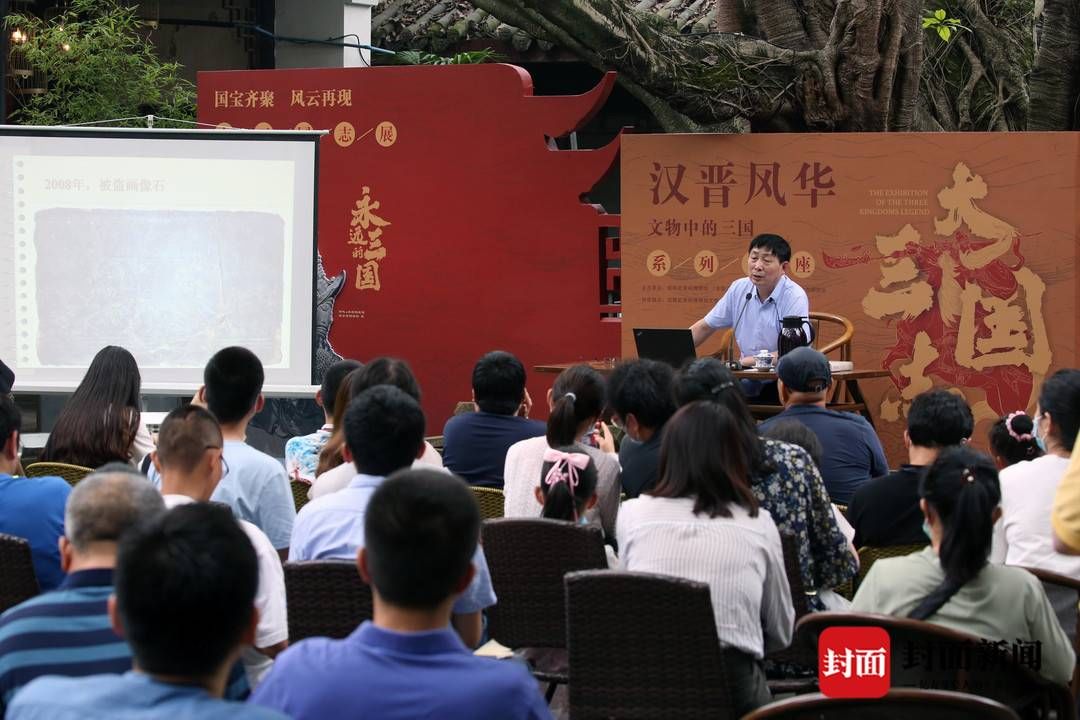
(459, 228)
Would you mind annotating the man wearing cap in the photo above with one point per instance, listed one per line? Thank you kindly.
(852, 452)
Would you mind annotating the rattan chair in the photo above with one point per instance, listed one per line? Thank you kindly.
(300, 491)
(870, 554)
(18, 582)
(896, 705)
(926, 655)
(528, 559)
(71, 473)
(643, 646)
(1064, 591)
(326, 598)
(794, 655)
(490, 500)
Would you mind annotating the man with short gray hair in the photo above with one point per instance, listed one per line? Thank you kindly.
(79, 640)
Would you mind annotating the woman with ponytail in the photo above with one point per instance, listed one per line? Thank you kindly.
(1024, 536)
(951, 583)
(575, 403)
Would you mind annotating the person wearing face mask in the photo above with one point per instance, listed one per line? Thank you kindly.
(951, 583)
(754, 305)
(639, 394)
(1024, 536)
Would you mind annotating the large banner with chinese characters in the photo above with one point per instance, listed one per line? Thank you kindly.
(953, 254)
(447, 226)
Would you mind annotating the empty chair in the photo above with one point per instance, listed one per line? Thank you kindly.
(528, 559)
(326, 598)
(643, 646)
(18, 582)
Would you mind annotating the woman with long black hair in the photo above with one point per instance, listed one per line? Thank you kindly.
(101, 422)
(951, 583)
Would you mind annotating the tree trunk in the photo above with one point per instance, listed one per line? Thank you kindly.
(1055, 80)
(856, 65)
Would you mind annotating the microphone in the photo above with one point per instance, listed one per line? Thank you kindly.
(733, 362)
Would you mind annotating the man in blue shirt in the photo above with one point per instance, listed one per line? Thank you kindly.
(754, 305)
(384, 432)
(31, 508)
(185, 592)
(79, 639)
(256, 487)
(852, 452)
(475, 444)
(420, 532)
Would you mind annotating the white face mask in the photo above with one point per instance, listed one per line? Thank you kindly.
(1039, 439)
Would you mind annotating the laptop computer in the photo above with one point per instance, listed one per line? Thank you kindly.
(671, 345)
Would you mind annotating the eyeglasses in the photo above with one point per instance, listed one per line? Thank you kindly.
(224, 464)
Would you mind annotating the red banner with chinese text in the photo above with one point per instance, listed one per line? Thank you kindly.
(456, 227)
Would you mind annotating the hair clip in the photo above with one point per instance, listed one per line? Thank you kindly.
(967, 475)
(572, 397)
(1015, 435)
(717, 389)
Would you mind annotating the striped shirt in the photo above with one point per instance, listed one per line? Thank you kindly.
(64, 632)
(67, 632)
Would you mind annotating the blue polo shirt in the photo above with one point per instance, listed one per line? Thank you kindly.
(759, 326)
(131, 696)
(33, 508)
(332, 527)
(475, 444)
(377, 673)
(851, 450)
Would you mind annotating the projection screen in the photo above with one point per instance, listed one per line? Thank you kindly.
(171, 243)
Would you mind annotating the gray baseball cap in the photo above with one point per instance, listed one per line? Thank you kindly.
(804, 370)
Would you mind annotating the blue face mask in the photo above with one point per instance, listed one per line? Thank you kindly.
(926, 529)
(1038, 437)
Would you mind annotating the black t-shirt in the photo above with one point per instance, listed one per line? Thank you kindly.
(640, 464)
(885, 511)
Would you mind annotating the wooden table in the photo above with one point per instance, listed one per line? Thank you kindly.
(846, 395)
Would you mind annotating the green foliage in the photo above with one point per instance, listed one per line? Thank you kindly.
(474, 57)
(939, 22)
(99, 65)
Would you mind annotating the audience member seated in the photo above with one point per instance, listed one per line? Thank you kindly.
(475, 444)
(1024, 537)
(420, 533)
(256, 488)
(190, 462)
(330, 455)
(101, 423)
(950, 583)
(302, 453)
(885, 511)
(795, 433)
(785, 481)
(78, 641)
(1012, 440)
(702, 522)
(576, 401)
(31, 508)
(185, 588)
(380, 371)
(384, 432)
(639, 395)
(852, 452)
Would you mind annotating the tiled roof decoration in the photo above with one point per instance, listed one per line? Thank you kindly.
(438, 25)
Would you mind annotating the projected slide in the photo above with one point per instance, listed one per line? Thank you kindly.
(173, 248)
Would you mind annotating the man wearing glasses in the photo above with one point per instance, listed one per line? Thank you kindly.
(754, 305)
(190, 463)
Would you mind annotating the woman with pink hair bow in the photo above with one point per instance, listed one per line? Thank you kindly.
(567, 484)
